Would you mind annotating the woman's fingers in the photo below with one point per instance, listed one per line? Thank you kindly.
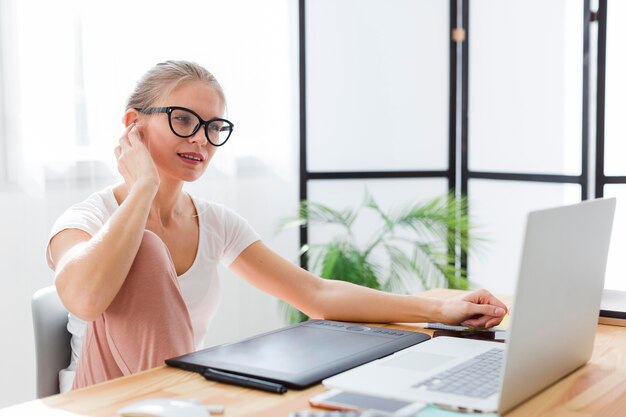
(133, 158)
(125, 144)
(133, 136)
(125, 141)
(493, 322)
(478, 323)
(484, 297)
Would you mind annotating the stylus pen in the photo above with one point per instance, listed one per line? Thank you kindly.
(244, 381)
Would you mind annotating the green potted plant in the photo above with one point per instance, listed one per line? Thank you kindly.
(417, 247)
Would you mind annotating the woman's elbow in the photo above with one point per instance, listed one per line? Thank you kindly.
(85, 306)
(87, 311)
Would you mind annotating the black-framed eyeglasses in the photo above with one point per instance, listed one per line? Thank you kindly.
(186, 123)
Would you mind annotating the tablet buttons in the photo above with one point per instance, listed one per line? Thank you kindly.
(389, 332)
(359, 329)
(328, 324)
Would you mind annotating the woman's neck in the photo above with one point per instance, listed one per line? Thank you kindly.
(168, 201)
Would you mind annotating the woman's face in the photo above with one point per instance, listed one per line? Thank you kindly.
(174, 156)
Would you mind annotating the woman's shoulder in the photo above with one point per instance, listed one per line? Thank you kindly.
(227, 233)
(214, 213)
(89, 215)
(103, 200)
(208, 209)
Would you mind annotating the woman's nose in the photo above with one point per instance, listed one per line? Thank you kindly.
(199, 137)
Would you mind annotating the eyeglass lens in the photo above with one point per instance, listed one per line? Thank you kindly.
(186, 124)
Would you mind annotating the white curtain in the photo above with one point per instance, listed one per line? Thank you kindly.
(68, 67)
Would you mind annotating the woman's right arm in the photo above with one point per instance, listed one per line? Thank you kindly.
(90, 270)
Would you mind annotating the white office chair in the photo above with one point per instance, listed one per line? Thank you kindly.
(52, 340)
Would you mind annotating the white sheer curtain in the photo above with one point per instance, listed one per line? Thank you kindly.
(41, 98)
(68, 67)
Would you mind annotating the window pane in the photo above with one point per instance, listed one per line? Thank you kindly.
(377, 85)
(615, 274)
(615, 90)
(525, 86)
(500, 209)
(392, 197)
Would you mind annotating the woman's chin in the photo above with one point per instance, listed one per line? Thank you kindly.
(191, 177)
(184, 176)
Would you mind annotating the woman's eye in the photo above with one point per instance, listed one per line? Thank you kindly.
(182, 119)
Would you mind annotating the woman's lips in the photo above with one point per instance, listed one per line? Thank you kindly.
(191, 158)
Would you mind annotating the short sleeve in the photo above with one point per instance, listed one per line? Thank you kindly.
(89, 216)
(238, 235)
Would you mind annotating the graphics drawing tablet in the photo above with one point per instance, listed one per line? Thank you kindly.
(300, 355)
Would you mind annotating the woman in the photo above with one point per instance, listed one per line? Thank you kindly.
(137, 261)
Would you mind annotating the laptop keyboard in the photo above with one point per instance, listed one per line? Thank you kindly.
(478, 377)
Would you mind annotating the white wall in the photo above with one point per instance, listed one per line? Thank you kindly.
(23, 226)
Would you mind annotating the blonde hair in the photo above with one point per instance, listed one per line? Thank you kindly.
(164, 77)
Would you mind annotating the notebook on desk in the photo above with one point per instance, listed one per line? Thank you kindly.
(297, 356)
(551, 331)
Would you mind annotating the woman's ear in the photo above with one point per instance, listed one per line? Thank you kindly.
(130, 116)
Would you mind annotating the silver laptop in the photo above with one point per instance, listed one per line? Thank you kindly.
(551, 333)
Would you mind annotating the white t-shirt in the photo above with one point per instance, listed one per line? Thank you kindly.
(223, 236)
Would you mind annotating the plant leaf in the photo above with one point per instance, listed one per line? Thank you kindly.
(372, 204)
(344, 261)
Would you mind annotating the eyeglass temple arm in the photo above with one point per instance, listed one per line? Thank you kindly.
(153, 110)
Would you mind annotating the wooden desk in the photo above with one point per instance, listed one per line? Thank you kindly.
(597, 389)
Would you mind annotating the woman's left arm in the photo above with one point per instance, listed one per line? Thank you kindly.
(344, 301)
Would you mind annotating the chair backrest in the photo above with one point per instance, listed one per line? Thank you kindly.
(52, 340)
